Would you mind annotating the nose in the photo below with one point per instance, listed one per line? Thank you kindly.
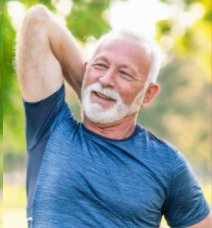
(108, 79)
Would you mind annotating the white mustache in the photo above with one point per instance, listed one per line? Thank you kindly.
(96, 113)
(105, 91)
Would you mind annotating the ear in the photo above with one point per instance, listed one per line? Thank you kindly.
(84, 68)
(151, 92)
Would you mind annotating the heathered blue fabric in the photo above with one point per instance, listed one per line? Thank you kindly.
(86, 180)
(39, 117)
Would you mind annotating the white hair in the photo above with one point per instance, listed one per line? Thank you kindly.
(144, 41)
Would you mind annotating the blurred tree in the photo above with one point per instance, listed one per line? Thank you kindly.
(186, 82)
(1, 100)
(12, 109)
(181, 112)
(189, 26)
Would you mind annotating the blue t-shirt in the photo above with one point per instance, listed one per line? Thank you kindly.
(77, 178)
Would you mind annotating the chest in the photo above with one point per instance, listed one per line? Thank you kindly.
(86, 175)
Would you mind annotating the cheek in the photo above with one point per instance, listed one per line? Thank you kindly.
(128, 91)
(127, 94)
(91, 78)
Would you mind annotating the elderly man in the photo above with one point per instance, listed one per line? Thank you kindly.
(107, 171)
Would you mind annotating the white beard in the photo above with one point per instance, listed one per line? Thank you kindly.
(97, 114)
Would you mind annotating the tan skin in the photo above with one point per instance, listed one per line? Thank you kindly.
(122, 65)
(46, 53)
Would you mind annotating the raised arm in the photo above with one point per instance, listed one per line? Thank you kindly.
(45, 52)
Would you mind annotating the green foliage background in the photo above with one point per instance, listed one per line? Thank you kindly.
(181, 112)
(1, 97)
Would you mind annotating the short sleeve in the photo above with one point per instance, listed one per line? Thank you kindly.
(185, 204)
(42, 118)
(41, 115)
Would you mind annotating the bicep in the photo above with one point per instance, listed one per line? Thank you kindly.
(205, 223)
(39, 72)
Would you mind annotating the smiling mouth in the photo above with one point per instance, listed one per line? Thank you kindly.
(103, 96)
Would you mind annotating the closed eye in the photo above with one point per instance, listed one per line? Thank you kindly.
(101, 65)
(122, 72)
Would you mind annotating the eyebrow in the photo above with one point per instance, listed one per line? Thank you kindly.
(101, 58)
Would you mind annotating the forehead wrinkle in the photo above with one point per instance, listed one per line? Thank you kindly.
(109, 44)
(101, 57)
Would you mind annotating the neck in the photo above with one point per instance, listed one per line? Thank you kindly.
(117, 130)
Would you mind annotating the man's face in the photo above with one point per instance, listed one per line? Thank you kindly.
(114, 80)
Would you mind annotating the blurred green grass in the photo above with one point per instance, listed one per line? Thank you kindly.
(14, 197)
(1, 214)
(14, 203)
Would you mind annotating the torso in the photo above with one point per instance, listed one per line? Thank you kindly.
(93, 181)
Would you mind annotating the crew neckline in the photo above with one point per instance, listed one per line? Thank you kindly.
(89, 132)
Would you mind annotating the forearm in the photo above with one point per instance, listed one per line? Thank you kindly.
(68, 53)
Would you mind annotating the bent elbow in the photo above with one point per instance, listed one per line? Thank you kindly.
(35, 14)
